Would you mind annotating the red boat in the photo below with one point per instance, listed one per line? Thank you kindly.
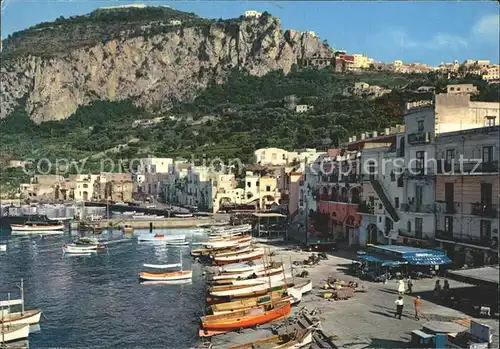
(214, 324)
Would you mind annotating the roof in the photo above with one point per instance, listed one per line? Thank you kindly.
(408, 250)
(477, 276)
(413, 255)
(269, 215)
(384, 262)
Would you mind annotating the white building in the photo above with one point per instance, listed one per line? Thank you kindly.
(252, 14)
(175, 22)
(303, 108)
(155, 165)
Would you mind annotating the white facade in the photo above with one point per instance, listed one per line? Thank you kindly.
(155, 165)
(252, 14)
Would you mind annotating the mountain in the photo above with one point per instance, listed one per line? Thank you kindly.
(140, 54)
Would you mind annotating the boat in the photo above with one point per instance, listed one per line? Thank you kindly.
(167, 276)
(304, 287)
(214, 324)
(73, 248)
(128, 213)
(36, 227)
(228, 243)
(162, 266)
(161, 237)
(128, 229)
(14, 332)
(3, 247)
(247, 256)
(251, 302)
(177, 243)
(242, 267)
(269, 240)
(9, 317)
(183, 215)
(264, 279)
(293, 340)
(257, 289)
(231, 252)
(260, 272)
(89, 241)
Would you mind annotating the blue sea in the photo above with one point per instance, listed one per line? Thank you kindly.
(98, 301)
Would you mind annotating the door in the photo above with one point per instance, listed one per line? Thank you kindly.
(418, 227)
(485, 230)
(449, 197)
(486, 195)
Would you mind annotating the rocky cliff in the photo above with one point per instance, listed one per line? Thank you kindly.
(152, 70)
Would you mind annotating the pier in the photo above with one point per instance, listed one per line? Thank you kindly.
(164, 223)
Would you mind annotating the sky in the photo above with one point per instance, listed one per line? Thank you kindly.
(413, 31)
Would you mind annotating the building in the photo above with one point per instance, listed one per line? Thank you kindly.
(175, 22)
(364, 89)
(361, 61)
(155, 165)
(461, 89)
(467, 195)
(303, 108)
(271, 156)
(252, 14)
(343, 62)
(492, 74)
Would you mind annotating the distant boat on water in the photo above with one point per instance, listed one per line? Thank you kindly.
(36, 227)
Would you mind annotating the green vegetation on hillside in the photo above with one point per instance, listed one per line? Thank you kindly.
(60, 37)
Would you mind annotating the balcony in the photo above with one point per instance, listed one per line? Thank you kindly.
(467, 239)
(484, 210)
(418, 208)
(419, 138)
(448, 207)
(366, 208)
(419, 172)
(457, 167)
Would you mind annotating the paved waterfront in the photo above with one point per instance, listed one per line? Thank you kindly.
(365, 321)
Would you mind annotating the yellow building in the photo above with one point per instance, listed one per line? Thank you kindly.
(362, 61)
(492, 73)
(268, 191)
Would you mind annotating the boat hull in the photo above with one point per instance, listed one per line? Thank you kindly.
(15, 332)
(30, 317)
(237, 259)
(41, 228)
(247, 319)
(179, 275)
(171, 238)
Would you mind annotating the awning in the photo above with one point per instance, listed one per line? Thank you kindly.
(371, 258)
(428, 260)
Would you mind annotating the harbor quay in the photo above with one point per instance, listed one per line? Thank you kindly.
(364, 321)
(166, 223)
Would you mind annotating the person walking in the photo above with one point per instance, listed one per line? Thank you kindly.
(409, 283)
(446, 291)
(399, 307)
(437, 289)
(416, 305)
(401, 287)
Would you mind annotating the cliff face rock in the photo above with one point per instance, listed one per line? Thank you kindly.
(152, 70)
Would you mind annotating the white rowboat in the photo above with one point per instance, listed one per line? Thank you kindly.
(163, 266)
(36, 227)
(161, 237)
(72, 248)
(14, 332)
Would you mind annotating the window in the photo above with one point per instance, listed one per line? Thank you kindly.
(380, 219)
(284, 156)
(274, 156)
(420, 159)
(420, 125)
(450, 154)
(408, 225)
(396, 202)
(458, 88)
(490, 121)
(452, 88)
(448, 225)
(268, 188)
(249, 184)
(485, 229)
(488, 154)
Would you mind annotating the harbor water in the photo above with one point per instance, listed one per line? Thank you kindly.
(98, 301)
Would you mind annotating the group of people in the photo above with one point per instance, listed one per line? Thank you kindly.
(406, 286)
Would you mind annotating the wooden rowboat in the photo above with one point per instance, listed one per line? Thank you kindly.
(227, 278)
(245, 303)
(209, 251)
(293, 340)
(246, 290)
(228, 243)
(247, 256)
(174, 275)
(244, 318)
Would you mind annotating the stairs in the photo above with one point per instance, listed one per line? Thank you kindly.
(379, 189)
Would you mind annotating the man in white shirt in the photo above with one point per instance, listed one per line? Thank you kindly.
(399, 307)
